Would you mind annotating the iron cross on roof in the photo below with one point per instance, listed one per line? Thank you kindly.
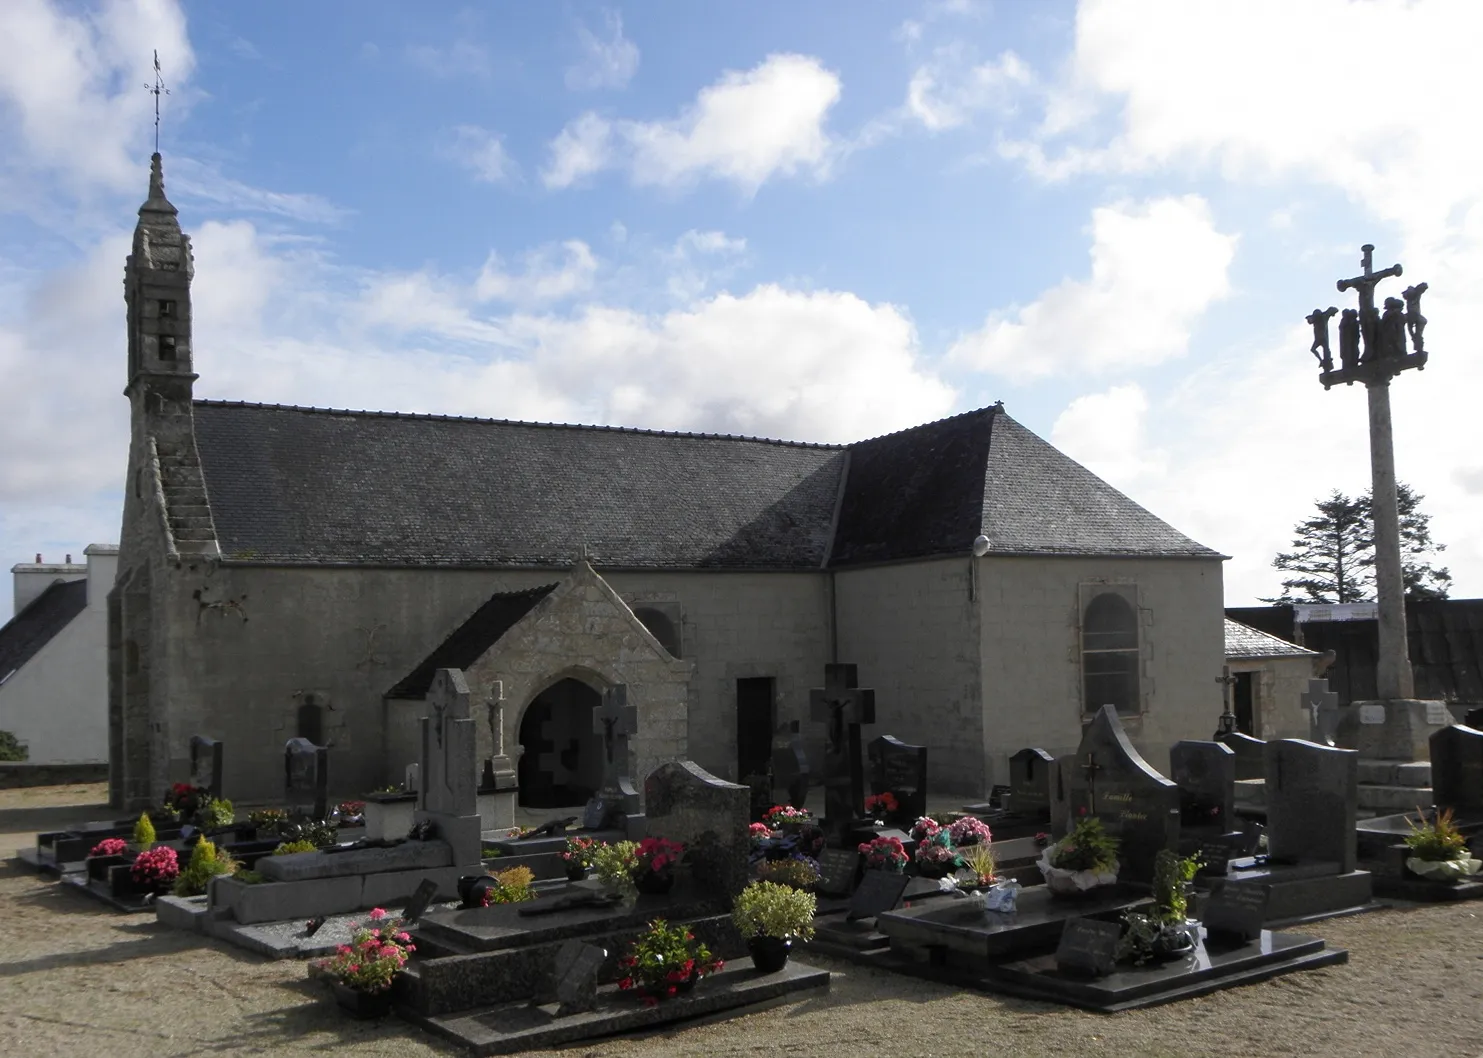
(841, 702)
(157, 89)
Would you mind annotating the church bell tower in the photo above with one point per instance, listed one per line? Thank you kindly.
(157, 290)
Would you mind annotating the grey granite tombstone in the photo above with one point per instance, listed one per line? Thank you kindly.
(842, 706)
(306, 778)
(901, 770)
(1206, 775)
(1457, 771)
(1031, 773)
(206, 761)
(879, 891)
(838, 868)
(1312, 798)
(1323, 712)
(574, 977)
(614, 720)
(448, 797)
(684, 802)
(1110, 780)
(1251, 754)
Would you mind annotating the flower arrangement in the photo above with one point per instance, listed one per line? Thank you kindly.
(979, 862)
(206, 863)
(352, 813)
(1438, 849)
(885, 803)
(798, 871)
(143, 833)
(615, 865)
(580, 852)
(663, 960)
(970, 830)
(110, 847)
(657, 856)
(1082, 860)
(884, 854)
(758, 832)
(1042, 839)
(924, 828)
(156, 867)
(1171, 877)
(764, 909)
(268, 820)
(777, 815)
(936, 854)
(216, 812)
(375, 954)
(512, 886)
(185, 800)
(288, 848)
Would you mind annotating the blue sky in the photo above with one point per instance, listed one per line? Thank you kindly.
(822, 222)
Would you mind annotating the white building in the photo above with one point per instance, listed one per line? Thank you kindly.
(54, 658)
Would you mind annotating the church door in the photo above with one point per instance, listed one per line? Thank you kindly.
(754, 724)
(1243, 703)
(561, 762)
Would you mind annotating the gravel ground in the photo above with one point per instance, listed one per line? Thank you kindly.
(77, 979)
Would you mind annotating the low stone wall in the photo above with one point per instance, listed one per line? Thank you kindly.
(16, 774)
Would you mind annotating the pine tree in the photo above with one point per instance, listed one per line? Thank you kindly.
(1334, 552)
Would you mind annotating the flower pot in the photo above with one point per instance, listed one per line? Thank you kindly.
(1174, 942)
(575, 872)
(362, 1004)
(928, 869)
(1073, 884)
(769, 954)
(654, 883)
(1447, 871)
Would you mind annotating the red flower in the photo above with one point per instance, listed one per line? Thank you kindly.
(626, 983)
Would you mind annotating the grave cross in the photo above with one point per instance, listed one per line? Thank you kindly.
(843, 705)
(1091, 767)
(615, 720)
(1227, 718)
(1323, 707)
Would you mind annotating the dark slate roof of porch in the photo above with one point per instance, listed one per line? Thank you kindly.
(1243, 641)
(471, 639)
(23, 636)
(320, 487)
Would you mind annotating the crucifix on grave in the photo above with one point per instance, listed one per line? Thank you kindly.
(1323, 709)
(1383, 357)
(615, 720)
(843, 706)
(1227, 718)
(1090, 768)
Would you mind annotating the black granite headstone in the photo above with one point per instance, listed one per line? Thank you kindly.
(1088, 947)
(1251, 761)
(1237, 909)
(1206, 775)
(206, 760)
(843, 707)
(1215, 858)
(879, 891)
(1312, 802)
(306, 777)
(422, 897)
(1137, 805)
(900, 770)
(1457, 771)
(575, 975)
(838, 868)
(1030, 776)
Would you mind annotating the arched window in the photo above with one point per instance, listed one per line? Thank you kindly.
(661, 626)
(1109, 654)
(311, 720)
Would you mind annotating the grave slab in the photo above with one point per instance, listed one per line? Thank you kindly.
(409, 855)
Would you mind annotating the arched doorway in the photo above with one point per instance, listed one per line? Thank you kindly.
(561, 758)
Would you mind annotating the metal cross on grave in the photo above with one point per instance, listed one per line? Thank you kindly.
(615, 720)
(1091, 767)
(1323, 706)
(843, 706)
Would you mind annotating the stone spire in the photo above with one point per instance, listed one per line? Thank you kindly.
(157, 209)
(157, 278)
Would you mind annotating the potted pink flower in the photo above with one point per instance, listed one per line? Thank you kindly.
(654, 872)
(884, 854)
(361, 972)
(970, 830)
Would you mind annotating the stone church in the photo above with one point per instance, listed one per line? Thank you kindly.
(289, 571)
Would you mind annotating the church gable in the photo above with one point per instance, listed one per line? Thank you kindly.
(470, 640)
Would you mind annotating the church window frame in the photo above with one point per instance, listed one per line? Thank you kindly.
(1111, 646)
(167, 347)
(167, 308)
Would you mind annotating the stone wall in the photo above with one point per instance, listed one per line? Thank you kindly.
(1277, 689)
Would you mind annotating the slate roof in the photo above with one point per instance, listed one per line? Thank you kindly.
(23, 636)
(325, 487)
(471, 639)
(1243, 641)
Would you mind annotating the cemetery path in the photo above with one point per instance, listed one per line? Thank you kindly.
(77, 979)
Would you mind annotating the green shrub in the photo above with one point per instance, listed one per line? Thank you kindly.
(287, 848)
(143, 833)
(205, 864)
(11, 748)
(512, 886)
(1170, 877)
(218, 814)
(767, 909)
(247, 877)
(1087, 848)
(1438, 841)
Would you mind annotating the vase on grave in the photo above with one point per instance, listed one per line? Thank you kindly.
(769, 954)
(1448, 871)
(575, 872)
(360, 1004)
(654, 883)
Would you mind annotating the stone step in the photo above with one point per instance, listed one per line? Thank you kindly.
(191, 534)
(198, 547)
(186, 496)
(1394, 798)
(1416, 773)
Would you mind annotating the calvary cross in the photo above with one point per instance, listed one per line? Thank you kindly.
(615, 720)
(843, 706)
(1323, 704)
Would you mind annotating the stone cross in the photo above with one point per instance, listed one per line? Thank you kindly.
(843, 705)
(1323, 707)
(615, 720)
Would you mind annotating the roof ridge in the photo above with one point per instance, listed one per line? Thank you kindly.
(992, 410)
(434, 417)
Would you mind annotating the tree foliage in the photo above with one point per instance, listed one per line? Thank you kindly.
(1333, 552)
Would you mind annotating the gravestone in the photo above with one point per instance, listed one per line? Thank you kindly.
(421, 899)
(1237, 909)
(878, 891)
(1324, 712)
(838, 868)
(1137, 805)
(1088, 947)
(1251, 754)
(1312, 798)
(411, 777)
(1457, 771)
(206, 760)
(575, 977)
(790, 768)
(1031, 773)
(1206, 775)
(306, 778)
(901, 770)
(449, 796)
(842, 705)
(614, 720)
(684, 802)
(760, 783)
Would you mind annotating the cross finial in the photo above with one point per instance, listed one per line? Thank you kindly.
(157, 89)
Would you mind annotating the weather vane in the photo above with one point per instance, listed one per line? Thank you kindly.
(157, 89)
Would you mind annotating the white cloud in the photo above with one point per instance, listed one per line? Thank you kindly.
(747, 128)
(482, 152)
(462, 58)
(700, 259)
(74, 85)
(947, 92)
(582, 148)
(606, 63)
(543, 280)
(1156, 267)
(1104, 432)
(189, 179)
